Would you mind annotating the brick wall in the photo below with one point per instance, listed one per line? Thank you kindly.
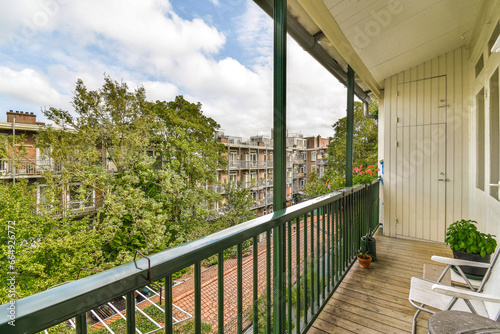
(21, 117)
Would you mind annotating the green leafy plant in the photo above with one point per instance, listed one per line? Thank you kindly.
(463, 236)
(364, 255)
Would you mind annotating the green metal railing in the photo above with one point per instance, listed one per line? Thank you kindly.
(321, 239)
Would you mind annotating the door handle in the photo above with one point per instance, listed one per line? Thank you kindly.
(444, 180)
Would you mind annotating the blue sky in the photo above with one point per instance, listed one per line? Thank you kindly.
(217, 52)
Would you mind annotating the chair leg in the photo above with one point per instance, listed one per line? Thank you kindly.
(414, 324)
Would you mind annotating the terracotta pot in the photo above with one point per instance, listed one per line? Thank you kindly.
(365, 263)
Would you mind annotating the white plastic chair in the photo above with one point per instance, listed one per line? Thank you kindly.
(425, 293)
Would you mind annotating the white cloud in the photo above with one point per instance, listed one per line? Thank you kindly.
(156, 90)
(28, 85)
(145, 43)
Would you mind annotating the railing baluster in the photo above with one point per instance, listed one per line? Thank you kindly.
(220, 297)
(255, 285)
(289, 252)
(324, 253)
(239, 283)
(318, 257)
(306, 295)
(197, 297)
(168, 305)
(313, 289)
(268, 281)
(130, 306)
(81, 323)
(297, 255)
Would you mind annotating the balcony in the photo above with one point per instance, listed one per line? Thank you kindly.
(316, 243)
(377, 299)
(26, 168)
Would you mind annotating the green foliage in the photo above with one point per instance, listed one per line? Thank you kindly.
(364, 255)
(365, 153)
(156, 157)
(365, 141)
(13, 144)
(48, 251)
(143, 164)
(315, 186)
(463, 236)
(145, 325)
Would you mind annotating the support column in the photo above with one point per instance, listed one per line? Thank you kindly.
(350, 127)
(279, 163)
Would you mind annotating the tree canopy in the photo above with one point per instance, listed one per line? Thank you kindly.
(365, 152)
(142, 165)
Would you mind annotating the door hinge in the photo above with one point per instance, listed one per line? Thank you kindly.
(397, 144)
(396, 220)
(397, 119)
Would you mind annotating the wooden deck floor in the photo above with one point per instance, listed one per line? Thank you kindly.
(375, 300)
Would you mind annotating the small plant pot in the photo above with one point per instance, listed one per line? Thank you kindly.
(365, 262)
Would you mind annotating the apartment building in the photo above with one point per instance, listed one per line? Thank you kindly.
(317, 151)
(27, 161)
(251, 164)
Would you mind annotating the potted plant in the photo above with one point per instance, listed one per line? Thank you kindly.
(364, 260)
(468, 243)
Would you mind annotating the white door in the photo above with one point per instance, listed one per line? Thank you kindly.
(421, 159)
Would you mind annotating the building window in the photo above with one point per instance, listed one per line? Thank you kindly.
(313, 156)
(79, 197)
(494, 134)
(233, 177)
(480, 139)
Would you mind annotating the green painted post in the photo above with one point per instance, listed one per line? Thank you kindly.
(130, 307)
(81, 323)
(279, 163)
(350, 127)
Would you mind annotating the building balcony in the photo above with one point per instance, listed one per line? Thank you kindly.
(26, 168)
(320, 240)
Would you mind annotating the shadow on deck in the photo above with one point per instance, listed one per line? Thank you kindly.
(375, 300)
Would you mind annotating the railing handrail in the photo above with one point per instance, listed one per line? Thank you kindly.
(37, 312)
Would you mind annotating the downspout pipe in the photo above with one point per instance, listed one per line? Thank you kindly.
(367, 112)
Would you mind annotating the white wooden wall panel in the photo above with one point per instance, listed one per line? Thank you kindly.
(426, 109)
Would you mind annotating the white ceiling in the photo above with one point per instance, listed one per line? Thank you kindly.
(393, 35)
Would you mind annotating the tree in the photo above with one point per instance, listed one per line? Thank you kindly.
(315, 186)
(46, 251)
(365, 142)
(365, 152)
(236, 206)
(145, 161)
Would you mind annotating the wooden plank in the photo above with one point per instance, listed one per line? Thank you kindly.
(392, 161)
(388, 137)
(427, 144)
(466, 135)
(405, 215)
(376, 300)
(399, 158)
(412, 132)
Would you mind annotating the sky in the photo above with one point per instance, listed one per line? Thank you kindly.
(216, 52)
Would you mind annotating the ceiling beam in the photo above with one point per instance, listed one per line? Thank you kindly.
(310, 44)
(320, 14)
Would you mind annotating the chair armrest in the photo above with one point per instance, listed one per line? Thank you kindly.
(464, 294)
(458, 262)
